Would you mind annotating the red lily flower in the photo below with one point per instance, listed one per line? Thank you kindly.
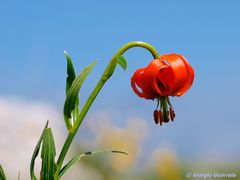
(170, 75)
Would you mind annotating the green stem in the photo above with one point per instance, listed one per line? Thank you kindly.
(105, 76)
(164, 108)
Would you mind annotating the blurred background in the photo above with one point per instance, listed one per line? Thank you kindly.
(203, 138)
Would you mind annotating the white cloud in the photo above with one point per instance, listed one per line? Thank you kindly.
(21, 124)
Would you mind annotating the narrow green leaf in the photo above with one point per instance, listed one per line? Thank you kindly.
(2, 175)
(122, 62)
(35, 154)
(69, 81)
(19, 174)
(72, 95)
(70, 72)
(48, 154)
(78, 158)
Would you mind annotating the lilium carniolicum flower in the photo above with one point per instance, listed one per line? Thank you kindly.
(169, 75)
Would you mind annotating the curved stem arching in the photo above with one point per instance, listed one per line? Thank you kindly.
(105, 76)
(145, 45)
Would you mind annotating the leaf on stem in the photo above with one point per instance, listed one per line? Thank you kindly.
(122, 62)
(2, 175)
(71, 75)
(48, 154)
(35, 154)
(78, 158)
(69, 81)
(72, 96)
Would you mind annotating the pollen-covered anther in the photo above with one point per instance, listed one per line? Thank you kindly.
(160, 117)
(156, 116)
(172, 113)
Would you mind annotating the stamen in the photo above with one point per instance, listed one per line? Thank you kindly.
(156, 116)
(158, 100)
(172, 113)
(166, 117)
(160, 117)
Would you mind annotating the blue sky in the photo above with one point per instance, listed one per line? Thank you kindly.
(32, 64)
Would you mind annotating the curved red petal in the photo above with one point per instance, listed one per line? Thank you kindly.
(189, 82)
(183, 73)
(164, 80)
(171, 75)
(152, 71)
(133, 82)
(139, 82)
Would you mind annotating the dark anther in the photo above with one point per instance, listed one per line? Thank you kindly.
(156, 116)
(160, 117)
(172, 114)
